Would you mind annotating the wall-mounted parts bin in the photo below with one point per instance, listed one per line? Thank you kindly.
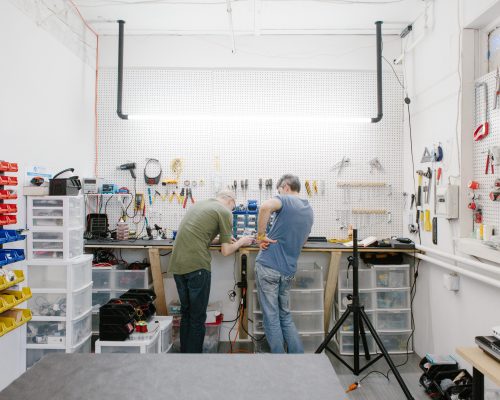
(12, 319)
(8, 166)
(8, 220)
(8, 208)
(10, 235)
(9, 256)
(8, 194)
(8, 180)
(5, 283)
(11, 298)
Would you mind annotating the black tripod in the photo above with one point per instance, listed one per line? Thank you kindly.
(360, 318)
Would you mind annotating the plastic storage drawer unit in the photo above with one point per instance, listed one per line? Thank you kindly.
(392, 276)
(308, 276)
(365, 299)
(365, 278)
(70, 275)
(346, 343)
(393, 298)
(55, 212)
(132, 279)
(396, 342)
(34, 355)
(102, 276)
(348, 323)
(305, 321)
(311, 341)
(394, 320)
(306, 300)
(149, 346)
(61, 245)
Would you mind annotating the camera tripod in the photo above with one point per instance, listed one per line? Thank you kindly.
(360, 318)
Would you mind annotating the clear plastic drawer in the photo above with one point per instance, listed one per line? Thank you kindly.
(82, 301)
(346, 343)
(35, 355)
(365, 278)
(365, 299)
(393, 299)
(306, 300)
(101, 297)
(309, 321)
(308, 276)
(311, 341)
(132, 279)
(150, 346)
(392, 276)
(396, 342)
(102, 276)
(348, 323)
(48, 304)
(82, 327)
(394, 320)
(63, 245)
(70, 275)
(51, 333)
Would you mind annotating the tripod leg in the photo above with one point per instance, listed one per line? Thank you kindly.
(363, 338)
(381, 346)
(334, 330)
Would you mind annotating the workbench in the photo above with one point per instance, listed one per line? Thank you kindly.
(334, 250)
(177, 376)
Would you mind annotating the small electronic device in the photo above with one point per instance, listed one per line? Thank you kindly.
(97, 226)
(496, 331)
(139, 201)
(91, 185)
(447, 201)
(490, 345)
(109, 188)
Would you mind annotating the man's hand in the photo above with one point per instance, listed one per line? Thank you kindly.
(264, 243)
(245, 241)
(233, 239)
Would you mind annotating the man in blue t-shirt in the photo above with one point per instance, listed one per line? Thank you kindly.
(276, 262)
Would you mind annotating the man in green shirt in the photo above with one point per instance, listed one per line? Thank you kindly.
(190, 262)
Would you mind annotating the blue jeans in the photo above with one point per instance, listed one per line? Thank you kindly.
(273, 289)
(194, 290)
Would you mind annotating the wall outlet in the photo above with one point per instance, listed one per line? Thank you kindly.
(451, 282)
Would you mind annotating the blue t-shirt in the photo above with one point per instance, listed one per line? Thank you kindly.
(291, 227)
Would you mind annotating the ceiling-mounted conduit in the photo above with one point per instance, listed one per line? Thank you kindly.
(119, 96)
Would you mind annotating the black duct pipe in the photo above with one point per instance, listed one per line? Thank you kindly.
(121, 23)
(378, 25)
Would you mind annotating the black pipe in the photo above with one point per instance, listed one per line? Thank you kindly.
(121, 23)
(378, 25)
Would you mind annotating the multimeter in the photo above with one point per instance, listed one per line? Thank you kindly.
(139, 201)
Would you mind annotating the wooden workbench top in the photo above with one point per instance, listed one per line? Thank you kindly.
(482, 362)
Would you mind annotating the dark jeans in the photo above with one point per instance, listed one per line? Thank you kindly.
(194, 290)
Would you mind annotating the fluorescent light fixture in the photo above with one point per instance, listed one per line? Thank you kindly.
(246, 118)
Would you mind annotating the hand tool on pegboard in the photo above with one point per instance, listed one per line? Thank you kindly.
(419, 195)
(489, 163)
(483, 129)
(260, 190)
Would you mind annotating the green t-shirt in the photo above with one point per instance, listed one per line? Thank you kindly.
(199, 227)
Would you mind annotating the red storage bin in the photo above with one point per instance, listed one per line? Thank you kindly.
(8, 208)
(8, 195)
(8, 180)
(8, 220)
(8, 167)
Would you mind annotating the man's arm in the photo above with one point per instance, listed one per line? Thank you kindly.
(265, 211)
(230, 248)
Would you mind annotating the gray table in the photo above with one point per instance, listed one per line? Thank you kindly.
(177, 377)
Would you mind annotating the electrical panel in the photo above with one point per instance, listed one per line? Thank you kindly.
(447, 201)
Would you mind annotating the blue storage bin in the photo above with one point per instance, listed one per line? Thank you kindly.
(9, 235)
(9, 256)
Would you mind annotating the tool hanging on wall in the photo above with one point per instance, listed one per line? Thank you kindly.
(483, 129)
(438, 153)
(341, 165)
(152, 171)
(489, 163)
(375, 165)
(189, 195)
(419, 196)
(435, 230)
(497, 89)
(308, 188)
(495, 196)
(128, 167)
(427, 156)
(177, 166)
(315, 186)
(260, 190)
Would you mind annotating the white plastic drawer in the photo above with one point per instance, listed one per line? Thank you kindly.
(150, 346)
(311, 341)
(392, 276)
(306, 300)
(365, 278)
(48, 304)
(102, 277)
(132, 279)
(68, 275)
(394, 320)
(55, 212)
(346, 344)
(82, 328)
(305, 322)
(63, 245)
(393, 299)
(348, 323)
(308, 276)
(82, 301)
(365, 299)
(51, 333)
(396, 342)
(212, 336)
(165, 332)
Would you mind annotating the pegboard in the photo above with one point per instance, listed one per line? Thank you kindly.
(491, 209)
(218, 152)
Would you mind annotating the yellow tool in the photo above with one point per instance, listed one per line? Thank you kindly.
(427, 221)
(174, 194)
(166, 182)
(315, 186)
(308, 188)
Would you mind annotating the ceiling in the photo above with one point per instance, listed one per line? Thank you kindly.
(249, 17)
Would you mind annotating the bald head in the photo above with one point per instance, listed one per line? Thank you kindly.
(227, 198)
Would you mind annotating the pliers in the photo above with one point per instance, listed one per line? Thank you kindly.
(189, 194)
(489, 161)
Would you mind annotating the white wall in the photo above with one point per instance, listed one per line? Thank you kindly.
(446, 320)
(47, 100)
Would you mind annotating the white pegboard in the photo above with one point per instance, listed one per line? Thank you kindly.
(491, 210)
(258, 149)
